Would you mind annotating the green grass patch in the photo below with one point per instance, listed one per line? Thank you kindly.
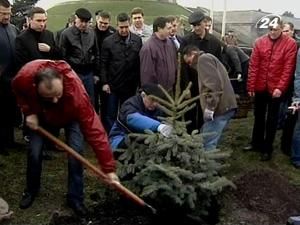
(57, 16)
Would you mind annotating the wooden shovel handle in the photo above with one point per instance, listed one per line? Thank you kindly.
(119, 187)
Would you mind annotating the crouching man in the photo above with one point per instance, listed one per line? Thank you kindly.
(137, 114)
(217, 97)
(51, 94)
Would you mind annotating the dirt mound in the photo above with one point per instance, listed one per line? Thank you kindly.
(267, 196)
(122, 212)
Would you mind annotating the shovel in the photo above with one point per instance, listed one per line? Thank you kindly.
(116, 185)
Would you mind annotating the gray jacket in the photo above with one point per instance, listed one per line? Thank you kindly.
(145, 34)
(216, 92)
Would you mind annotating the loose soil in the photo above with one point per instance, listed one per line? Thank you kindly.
(262, 197)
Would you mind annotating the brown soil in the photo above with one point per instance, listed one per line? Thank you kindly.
(264, 197)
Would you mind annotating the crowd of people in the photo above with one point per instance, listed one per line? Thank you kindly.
(88, 75)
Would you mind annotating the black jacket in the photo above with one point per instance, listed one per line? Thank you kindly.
(233, 57)
(101, 35)
(27, 46)
(209, 44)
(120, 63)
(80, 49)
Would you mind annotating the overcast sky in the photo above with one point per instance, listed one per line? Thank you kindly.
(272, 6)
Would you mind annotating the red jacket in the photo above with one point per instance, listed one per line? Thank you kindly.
(272, 64)
(74, 105)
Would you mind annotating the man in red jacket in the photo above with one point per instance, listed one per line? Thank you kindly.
(271, 69)
(50, 94)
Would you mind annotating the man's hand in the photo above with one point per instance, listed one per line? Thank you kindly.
(112, 178)
(294, 107)
(106, 88)
(276, 93)
(165, 130)
(32, 121)
(96, 79)
(208, 115)
(43, 47)
(251, 93)
(239, 77)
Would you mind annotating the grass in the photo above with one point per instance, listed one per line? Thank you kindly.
(57, 16)
(52, 195)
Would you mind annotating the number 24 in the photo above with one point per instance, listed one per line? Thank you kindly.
(266, 22)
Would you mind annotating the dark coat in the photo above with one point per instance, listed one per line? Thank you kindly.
(101, 35)
(234, 57)
(8, 34)
(209, 44)
(27, 46)
(80, 49)
(119, 62)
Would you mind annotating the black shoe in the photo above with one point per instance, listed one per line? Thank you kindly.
(296, 165)
(78, 208)
(265, 157)
(27, 200)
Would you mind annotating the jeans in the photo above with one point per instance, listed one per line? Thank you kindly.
(109, 110)
(88, 83)
(110, 104)
(212, 130)
(296, 143)
(34, 163)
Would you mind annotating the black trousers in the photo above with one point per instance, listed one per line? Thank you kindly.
(7, 118)
(287, 133)
(266, 111)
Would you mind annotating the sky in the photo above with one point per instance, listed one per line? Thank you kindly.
(272, 6)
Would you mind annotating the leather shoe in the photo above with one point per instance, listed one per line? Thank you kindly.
(78, 208)
(265, 157)
(27, 200)
(47, 155)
